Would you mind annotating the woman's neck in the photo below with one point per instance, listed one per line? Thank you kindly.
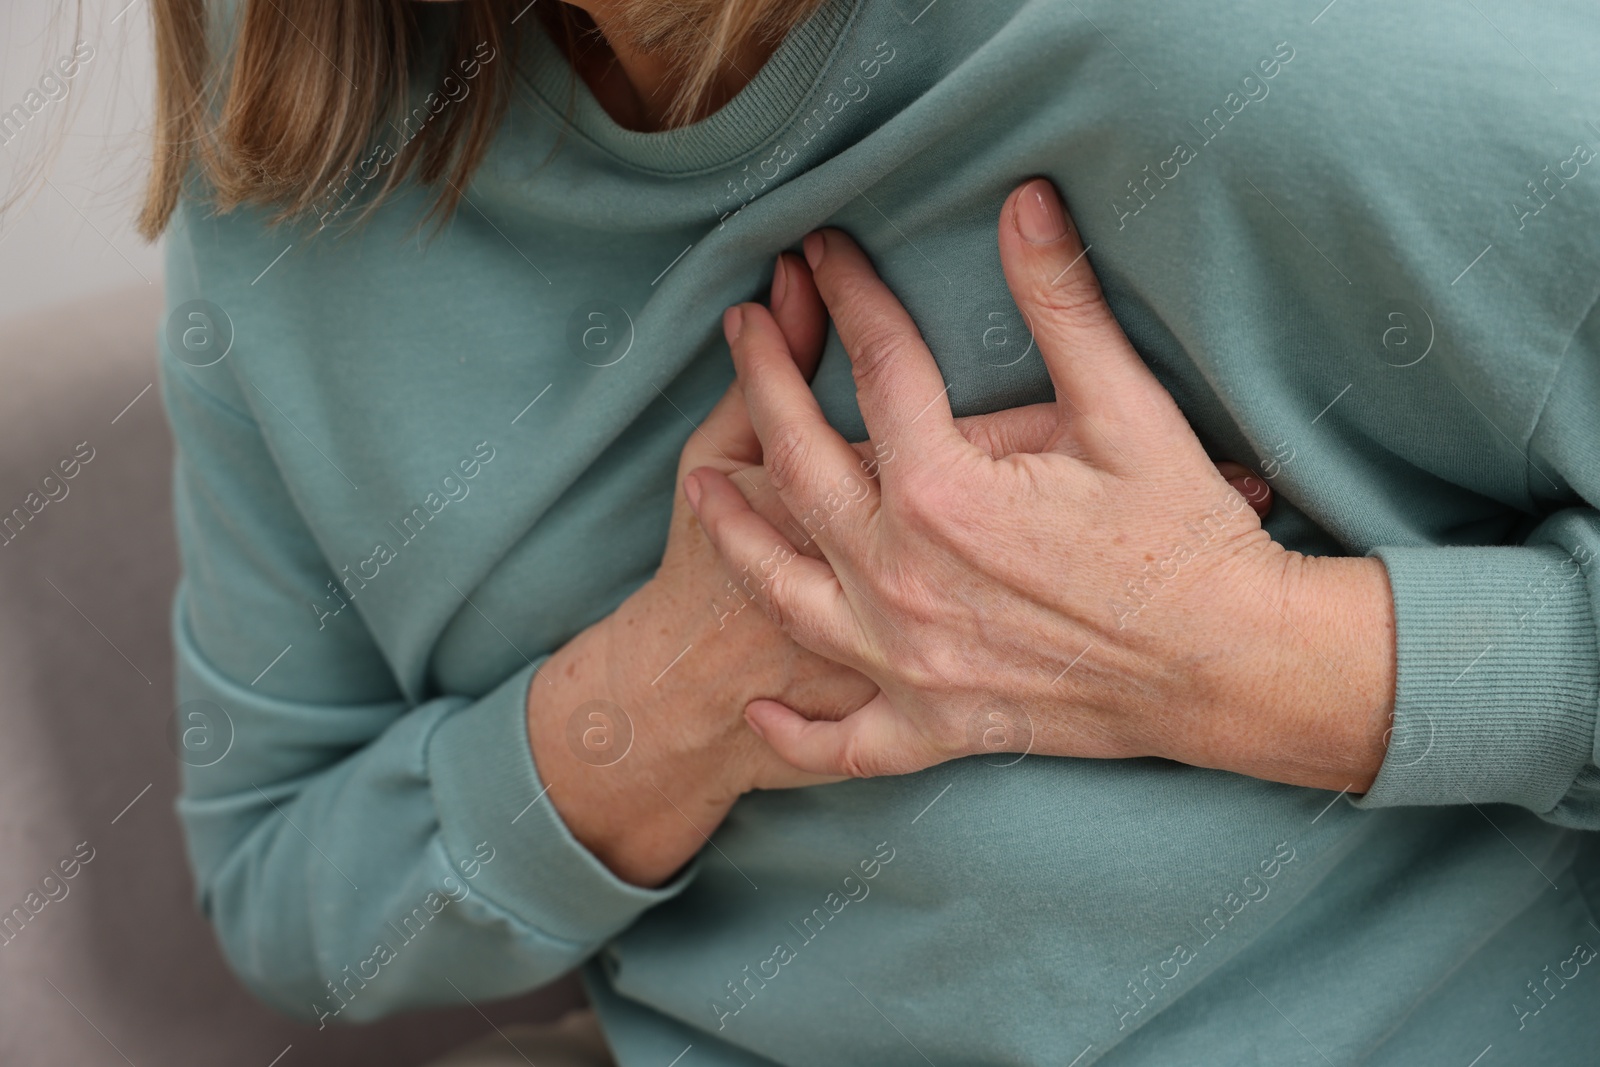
(637, 85)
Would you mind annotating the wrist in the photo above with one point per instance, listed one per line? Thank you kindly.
(627, 781)
(1310, 700)
(669, 677)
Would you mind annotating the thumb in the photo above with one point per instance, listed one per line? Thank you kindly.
(871, 741)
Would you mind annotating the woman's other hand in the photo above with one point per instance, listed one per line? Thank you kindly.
(1108, 595)
(637, 723)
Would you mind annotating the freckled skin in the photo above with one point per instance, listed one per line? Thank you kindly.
(973, 581)
(686, 655)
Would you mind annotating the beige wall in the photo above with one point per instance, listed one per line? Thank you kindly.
(74, 237)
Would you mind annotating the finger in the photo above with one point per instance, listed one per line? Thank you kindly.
(799, 311)
(764, 501)
(804, 322)
(1096, 372)
(801, 594)
(903, 397)
(874, 740)
(807, 462)
(1031, 428)
(1248, 484)
(728, 430)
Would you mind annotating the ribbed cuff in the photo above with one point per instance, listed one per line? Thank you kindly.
(1499, 677)
(485, 785)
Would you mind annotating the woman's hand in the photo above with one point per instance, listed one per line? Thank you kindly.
(636, 724)
(801, 315)
(1108, 595)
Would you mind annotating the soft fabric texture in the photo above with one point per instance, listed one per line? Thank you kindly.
(1358, 247)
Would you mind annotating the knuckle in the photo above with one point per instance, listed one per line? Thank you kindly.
(775, 613)
(874, 351)
(774, 599)
(785, 457)
(925, 497)
(929, 669)
(851, 292)
(710, 521)
(857, 760)
(1075, 300)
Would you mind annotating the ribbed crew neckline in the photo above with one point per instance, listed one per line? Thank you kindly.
(760, 110)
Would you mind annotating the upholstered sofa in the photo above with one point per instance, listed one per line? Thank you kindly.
(113, 964)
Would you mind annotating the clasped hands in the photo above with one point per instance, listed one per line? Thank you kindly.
(1084, 582)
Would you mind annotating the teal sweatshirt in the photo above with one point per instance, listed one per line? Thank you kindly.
(1358, 244)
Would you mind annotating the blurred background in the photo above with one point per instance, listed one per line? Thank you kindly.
(74, 237)
(112, 966)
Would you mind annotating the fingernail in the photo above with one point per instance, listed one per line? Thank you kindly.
(813, 244)
(1040, 219)
(754, 725)
(780, 284)
(691, 489)
(732, 323)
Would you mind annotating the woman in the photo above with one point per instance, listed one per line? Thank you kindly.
(479, 719)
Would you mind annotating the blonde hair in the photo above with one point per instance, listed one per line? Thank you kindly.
(285, 118)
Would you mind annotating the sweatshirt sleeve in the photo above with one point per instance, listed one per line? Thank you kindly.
(1498, 681)
(356, 853)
